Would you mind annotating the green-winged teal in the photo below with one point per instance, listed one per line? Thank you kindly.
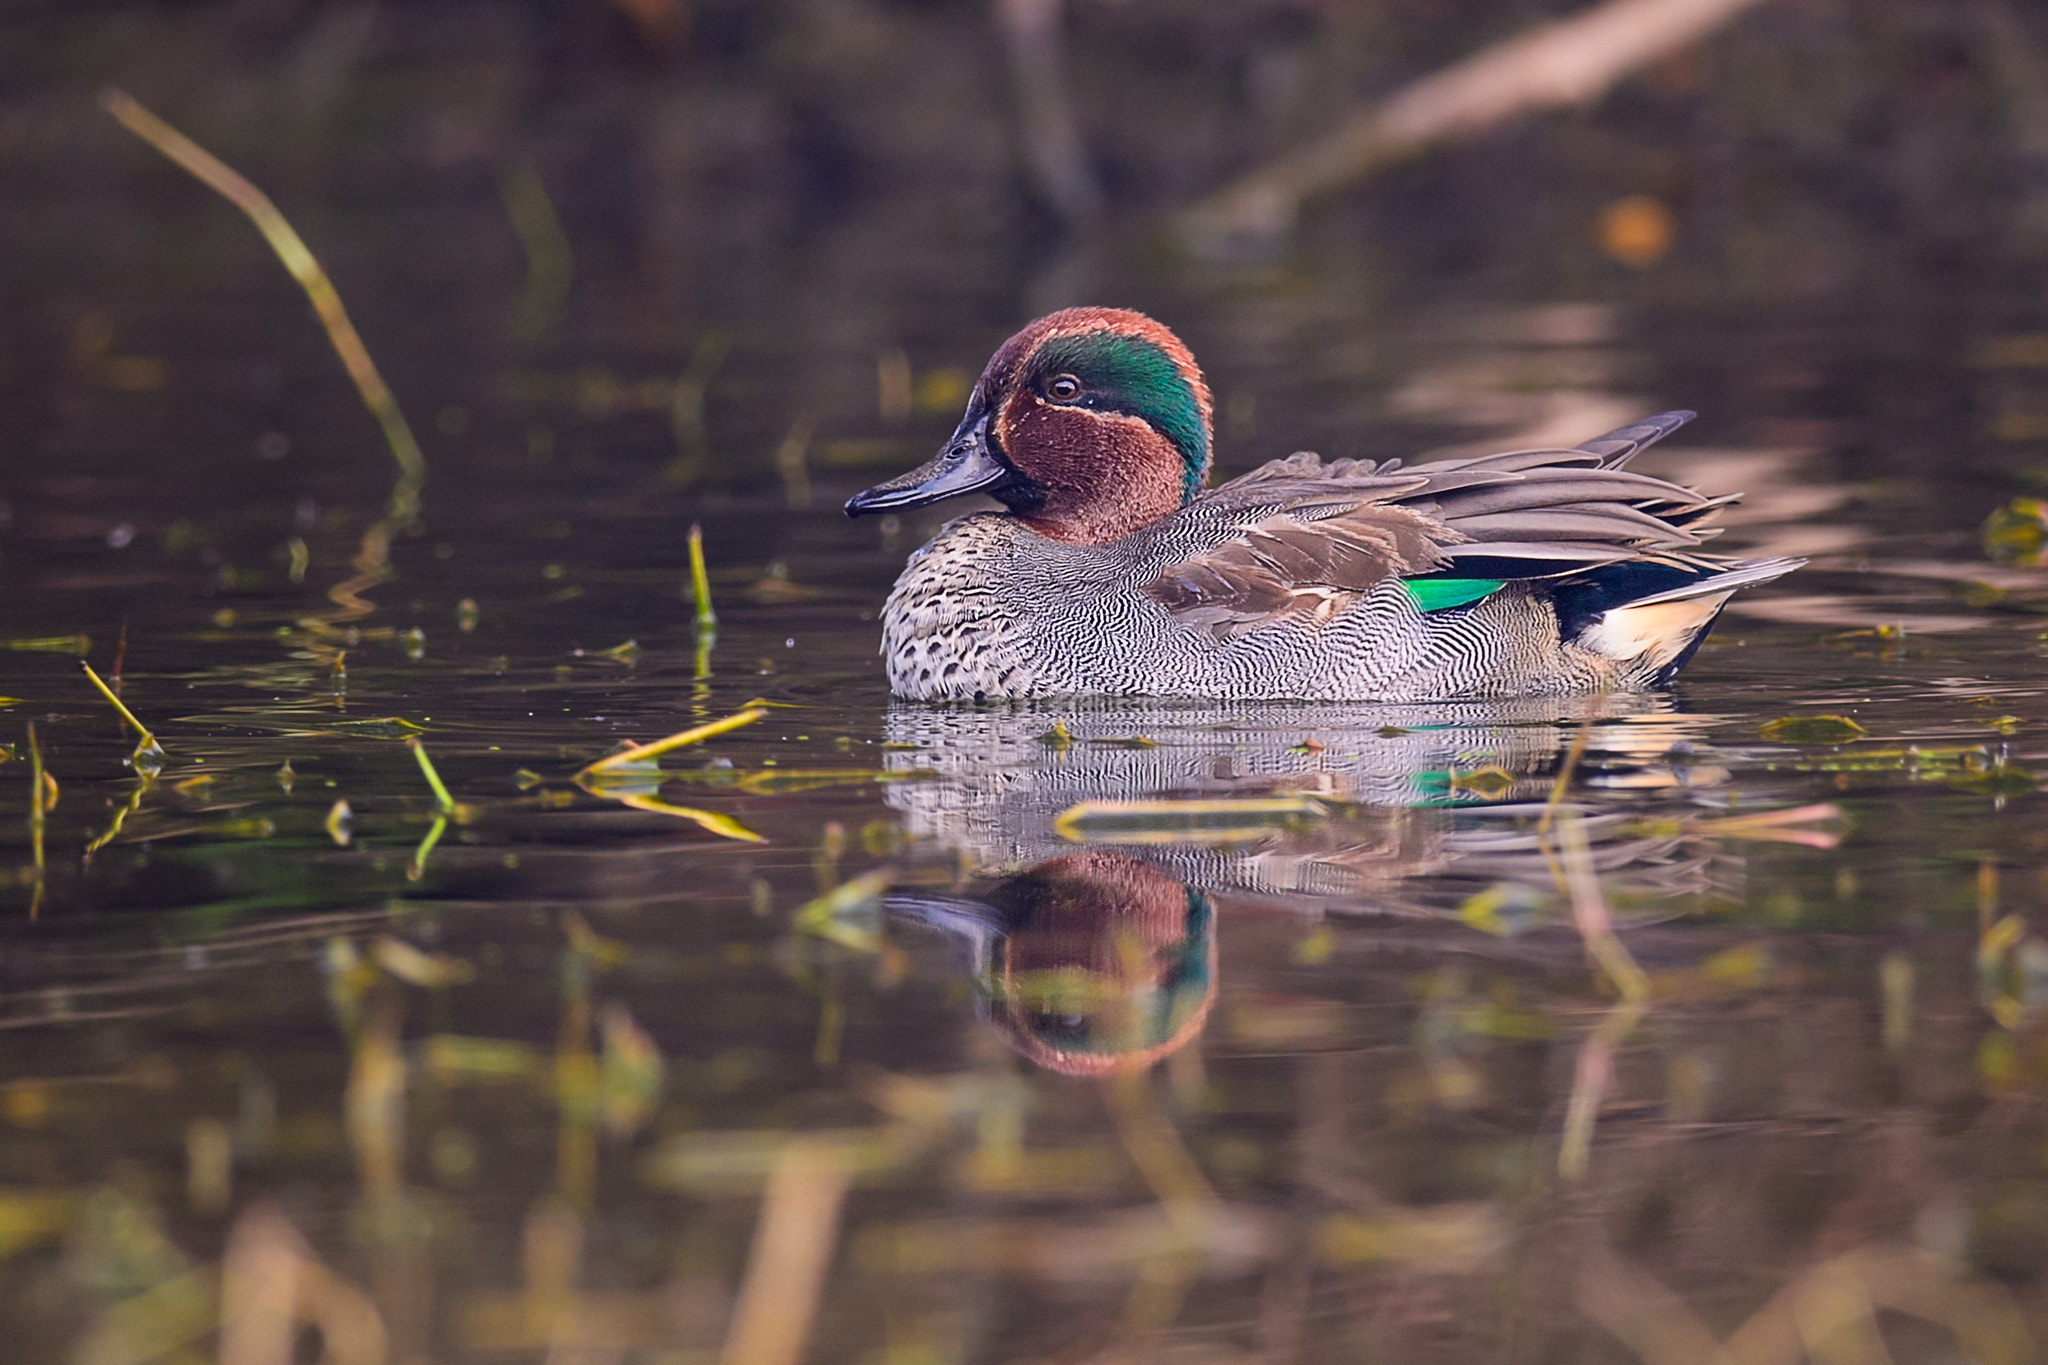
(1535, 572)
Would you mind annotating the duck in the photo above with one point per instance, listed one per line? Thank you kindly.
(1113, 569)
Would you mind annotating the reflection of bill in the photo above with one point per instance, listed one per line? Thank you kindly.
(1089, 963)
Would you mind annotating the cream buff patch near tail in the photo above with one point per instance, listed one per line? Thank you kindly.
(1653, 632)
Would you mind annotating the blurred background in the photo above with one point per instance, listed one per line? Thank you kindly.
(542, 213)
(776, 1054)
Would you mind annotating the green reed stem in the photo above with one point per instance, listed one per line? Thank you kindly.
(419, 751)
(700, 581)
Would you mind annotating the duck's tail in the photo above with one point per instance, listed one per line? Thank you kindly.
(1659, 633)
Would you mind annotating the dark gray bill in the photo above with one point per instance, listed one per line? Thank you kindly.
(966, 465)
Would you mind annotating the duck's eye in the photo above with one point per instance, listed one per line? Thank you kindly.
(1064, 388)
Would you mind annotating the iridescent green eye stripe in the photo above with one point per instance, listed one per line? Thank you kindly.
(1138, 376)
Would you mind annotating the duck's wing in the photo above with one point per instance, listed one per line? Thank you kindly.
(1302, 538)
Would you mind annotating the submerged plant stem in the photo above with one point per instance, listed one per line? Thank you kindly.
(305, 269)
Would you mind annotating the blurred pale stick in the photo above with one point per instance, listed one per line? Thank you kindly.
(272, 1282)
(299, 261)
(1595, 1069)
(1589, 911)
(1571, 61)
(1032, 33)
(793, 1246)
(1826, 1313)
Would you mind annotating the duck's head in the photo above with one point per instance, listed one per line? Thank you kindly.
(1088, 424)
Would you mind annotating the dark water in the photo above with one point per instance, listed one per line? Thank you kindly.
(889, 1038)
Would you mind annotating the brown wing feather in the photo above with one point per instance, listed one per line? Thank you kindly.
(1309, 538)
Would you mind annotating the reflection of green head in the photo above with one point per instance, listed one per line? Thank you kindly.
(1109, 965)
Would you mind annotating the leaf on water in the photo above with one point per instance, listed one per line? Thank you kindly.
(1126, 742)
(1166, 822)
(1812, 730)
(382, 727)
(642, 755)
(526, 779)
(52, 644)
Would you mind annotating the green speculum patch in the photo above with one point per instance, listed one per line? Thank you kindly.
(1135, 376)
(1439, 594)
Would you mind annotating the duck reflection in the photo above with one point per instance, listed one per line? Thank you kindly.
(1401, 795)
(1088, 963)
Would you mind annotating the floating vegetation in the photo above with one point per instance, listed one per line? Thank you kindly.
(1811, 730)
(633, 776)
(638, 760)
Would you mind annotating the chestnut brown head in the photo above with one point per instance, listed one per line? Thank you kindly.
(1089, 423)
